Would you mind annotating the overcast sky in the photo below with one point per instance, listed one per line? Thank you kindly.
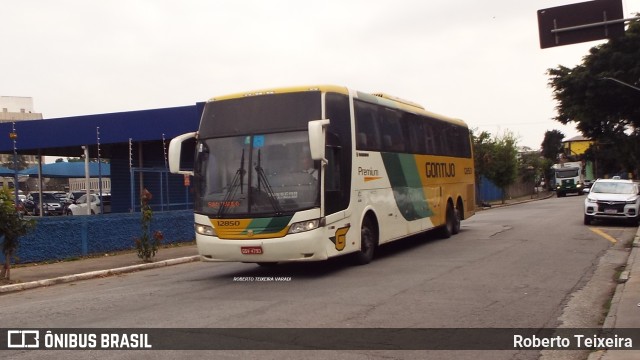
(475, 60)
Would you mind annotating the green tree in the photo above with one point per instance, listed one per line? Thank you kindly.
(592, 96)
(21, 162)
(496, 159)
(530, 166)
(12, 227)
(552, 144)
(551, 147)
(502, 166)
(482, 144)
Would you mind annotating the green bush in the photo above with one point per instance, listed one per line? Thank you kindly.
(12, 227)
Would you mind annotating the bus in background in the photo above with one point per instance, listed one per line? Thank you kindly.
(309, 173)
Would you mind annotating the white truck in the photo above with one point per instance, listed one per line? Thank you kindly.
(569, 178)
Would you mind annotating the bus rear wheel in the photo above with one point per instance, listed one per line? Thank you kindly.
(457, 218)
(368, 242)
(451, 224)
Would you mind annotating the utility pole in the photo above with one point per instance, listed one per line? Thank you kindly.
(13, 135)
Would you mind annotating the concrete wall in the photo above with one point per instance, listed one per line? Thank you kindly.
(62, 237)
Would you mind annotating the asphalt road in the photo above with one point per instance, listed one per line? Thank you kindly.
(531, 265)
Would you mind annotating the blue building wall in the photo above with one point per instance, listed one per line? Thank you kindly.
(62, 237)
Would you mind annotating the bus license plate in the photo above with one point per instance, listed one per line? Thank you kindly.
(251, 250)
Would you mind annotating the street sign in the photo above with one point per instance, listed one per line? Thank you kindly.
(581, 22)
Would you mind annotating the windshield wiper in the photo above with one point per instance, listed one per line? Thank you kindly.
(237, 182)
(262, 181)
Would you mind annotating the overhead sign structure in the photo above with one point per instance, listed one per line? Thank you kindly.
(582, 22)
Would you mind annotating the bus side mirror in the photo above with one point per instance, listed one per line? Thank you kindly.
(176, 150)
(317, 129)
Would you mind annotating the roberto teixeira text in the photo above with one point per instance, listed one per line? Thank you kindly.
(576, 341)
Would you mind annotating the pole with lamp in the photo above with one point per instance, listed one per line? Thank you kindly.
(620, 82)
(87, 179)
(99, 172)
(13, 135)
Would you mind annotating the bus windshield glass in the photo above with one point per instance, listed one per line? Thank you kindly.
(567, 173)
(262, 174)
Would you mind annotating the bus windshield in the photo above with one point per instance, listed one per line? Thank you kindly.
(567, 173)
(262, 174)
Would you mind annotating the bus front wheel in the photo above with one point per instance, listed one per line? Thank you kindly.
(368, 242)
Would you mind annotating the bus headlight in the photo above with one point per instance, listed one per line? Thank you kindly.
(205, 230)
(304, 226)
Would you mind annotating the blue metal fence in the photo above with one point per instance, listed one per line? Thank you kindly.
(63, 237)
(488, 191)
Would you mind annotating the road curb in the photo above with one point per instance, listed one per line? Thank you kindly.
(610, 319)
(94, 274)
(521, 201)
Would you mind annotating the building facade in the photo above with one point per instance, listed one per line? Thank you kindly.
(13, 109)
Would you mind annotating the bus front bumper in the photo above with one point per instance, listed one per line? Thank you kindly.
(306, 246)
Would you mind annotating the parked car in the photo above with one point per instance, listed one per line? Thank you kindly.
(72, 196)
(79, 206)
(587, 186)
(60, 196)
(50, 204)
(613, 199)
(106, 203)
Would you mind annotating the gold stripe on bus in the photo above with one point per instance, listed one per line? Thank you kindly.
(371, 178)
(241, 229)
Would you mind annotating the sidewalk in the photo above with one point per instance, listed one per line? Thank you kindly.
(30, 276)
(625, 306)
(623, 314)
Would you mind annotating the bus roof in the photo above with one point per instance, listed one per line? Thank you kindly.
(377, 98)
(284, 90)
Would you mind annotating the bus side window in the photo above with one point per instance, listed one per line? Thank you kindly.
(413, 129)
(391, 129)
(429, 138)
(362, 141)
(445, 141)
(367, 126)
(332, 171)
